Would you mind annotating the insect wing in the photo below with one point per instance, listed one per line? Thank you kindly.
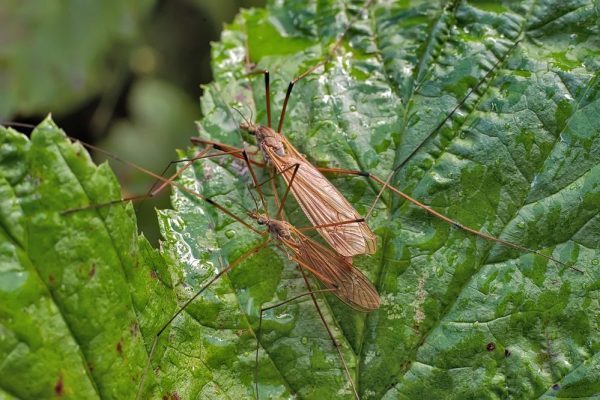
(349, 284)
(323, 204)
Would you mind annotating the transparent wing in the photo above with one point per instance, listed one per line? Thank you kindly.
(337, 273)
(323, 204)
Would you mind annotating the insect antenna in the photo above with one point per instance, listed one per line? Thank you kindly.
(242, 115)
(18, 124)
(253, 199)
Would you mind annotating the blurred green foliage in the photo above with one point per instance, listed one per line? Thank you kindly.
(125, 74)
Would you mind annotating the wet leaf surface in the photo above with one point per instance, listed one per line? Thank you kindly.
(487, 110)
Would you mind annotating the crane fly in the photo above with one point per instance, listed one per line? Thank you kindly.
(334, 271)
(322, 203)
(320, 200)
(344, 280)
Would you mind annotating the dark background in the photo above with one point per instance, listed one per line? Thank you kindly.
(122, 74)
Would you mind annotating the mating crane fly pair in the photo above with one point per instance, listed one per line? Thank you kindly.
(327, 209)
(330, 213)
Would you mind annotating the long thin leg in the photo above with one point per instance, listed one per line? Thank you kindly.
(287, 191)
(443, 122)
(225, 148)
(331, 52)
(172, 183)
(351, 221)
(291, 86)
(189, 301)
(335, 342)
(267, 91)
(17, 124)
(268, 98)
(201, 155)
(456, 224)
(153, 190)
(255, 180)
(259, 330)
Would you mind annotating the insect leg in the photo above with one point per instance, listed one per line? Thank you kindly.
(456, 224)
(174, 184)
(259, 330)
(267, 91)
(188, 302)
(232, 150)
(335, 342)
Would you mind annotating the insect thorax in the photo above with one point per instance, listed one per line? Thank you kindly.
(267, 137)
(280, 230)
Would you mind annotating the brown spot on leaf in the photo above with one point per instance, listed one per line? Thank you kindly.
(51, 279)
(59, 387)
(92, 271)
(171, 396)
(120, 347)
(491, 346)
(134, 329)
(507, 353)
(153, 274)
(556, 386)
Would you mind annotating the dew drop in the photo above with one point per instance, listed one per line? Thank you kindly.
(304, 340)
(374, 213)
(439, 272)
(521, 225)
(352, 107)
(230, 233)
(595, 261)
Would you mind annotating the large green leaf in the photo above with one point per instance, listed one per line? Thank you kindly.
(497, 102)
(77, 289)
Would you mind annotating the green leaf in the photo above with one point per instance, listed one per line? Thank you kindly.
(76, 289)
(498, 102)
